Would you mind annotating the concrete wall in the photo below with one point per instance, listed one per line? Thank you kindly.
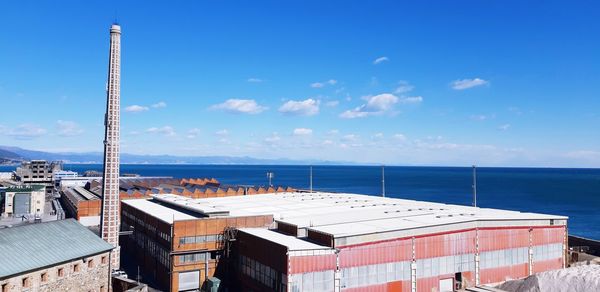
(90, 277)
(37, 202)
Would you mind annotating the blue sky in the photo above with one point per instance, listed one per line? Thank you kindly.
(497, 83)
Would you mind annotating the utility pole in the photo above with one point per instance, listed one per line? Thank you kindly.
(311, 178)
(383, 181)
(474, 186)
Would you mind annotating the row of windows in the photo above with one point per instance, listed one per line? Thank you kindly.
(262, 273)
(503, 258)
(193, 257)
(60, 272)
(315, 281)
(547, 252)
(445, 265)
(375, 274)
(155, 250)
(200, 239)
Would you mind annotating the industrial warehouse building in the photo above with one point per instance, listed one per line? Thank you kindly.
(340, 242)
(22, 200)
(53, 256)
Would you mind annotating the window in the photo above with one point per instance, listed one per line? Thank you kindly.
(76, 268)
(61, 272)
(5, 287)
(104, 260)
(26, 282)
(90, 264)
(44, 277)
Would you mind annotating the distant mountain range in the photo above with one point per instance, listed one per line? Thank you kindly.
(14, 155)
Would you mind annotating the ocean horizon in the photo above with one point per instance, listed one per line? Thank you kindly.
(572, 192)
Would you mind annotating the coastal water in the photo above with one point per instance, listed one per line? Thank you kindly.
(570, 192)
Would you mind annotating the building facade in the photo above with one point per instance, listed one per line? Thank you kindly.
(38, 172)
(349, 242)
(22, 200)
(53, 256)
(178, 248)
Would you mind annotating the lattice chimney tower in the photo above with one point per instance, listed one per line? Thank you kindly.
(109, 225)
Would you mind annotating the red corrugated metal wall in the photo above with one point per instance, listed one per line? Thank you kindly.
(376, 253)
(306, 264)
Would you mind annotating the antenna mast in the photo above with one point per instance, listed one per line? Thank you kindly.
(474, 186)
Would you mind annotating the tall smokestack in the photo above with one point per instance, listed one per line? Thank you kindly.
(109, 225)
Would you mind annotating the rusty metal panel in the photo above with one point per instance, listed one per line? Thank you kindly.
(383, 252)
(311, 263)
(495, 275)
(427, 284)
(547, 265)
(547, 235)
(445, 244)
(496, 239)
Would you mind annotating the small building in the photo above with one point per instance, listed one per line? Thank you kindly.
(22, 200)
(82, 205)
(53, 256)
(38, 172)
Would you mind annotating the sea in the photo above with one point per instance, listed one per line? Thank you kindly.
(570, 192)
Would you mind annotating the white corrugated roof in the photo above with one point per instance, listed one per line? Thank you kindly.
(291, 242)
(343, 214)
(161, 212)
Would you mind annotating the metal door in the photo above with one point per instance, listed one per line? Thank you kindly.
(21, 204)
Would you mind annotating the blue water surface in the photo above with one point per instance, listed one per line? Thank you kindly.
(570, 192)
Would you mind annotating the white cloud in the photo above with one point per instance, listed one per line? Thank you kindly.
(376, 105)
(223, 132)
(25, 131)
(255, 80)
(166, 130)
(403, 87)
(308, 107)
(302, 132)
(504, 127)
(160, 104)
(273, 138)
(468, 83)
(243, 106)
(68, 128)
(327, 142)
(323, 84)
(333, 132)
(193, 133)
(353, 114)
(350, 137)
(377, 136)
(380, 102)
(136, 108)
(399, 137)
(411, 99)
(479, 117)
(332, 103)
(584, 155)
(380, 60)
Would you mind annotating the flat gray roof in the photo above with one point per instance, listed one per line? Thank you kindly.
(35, 246)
